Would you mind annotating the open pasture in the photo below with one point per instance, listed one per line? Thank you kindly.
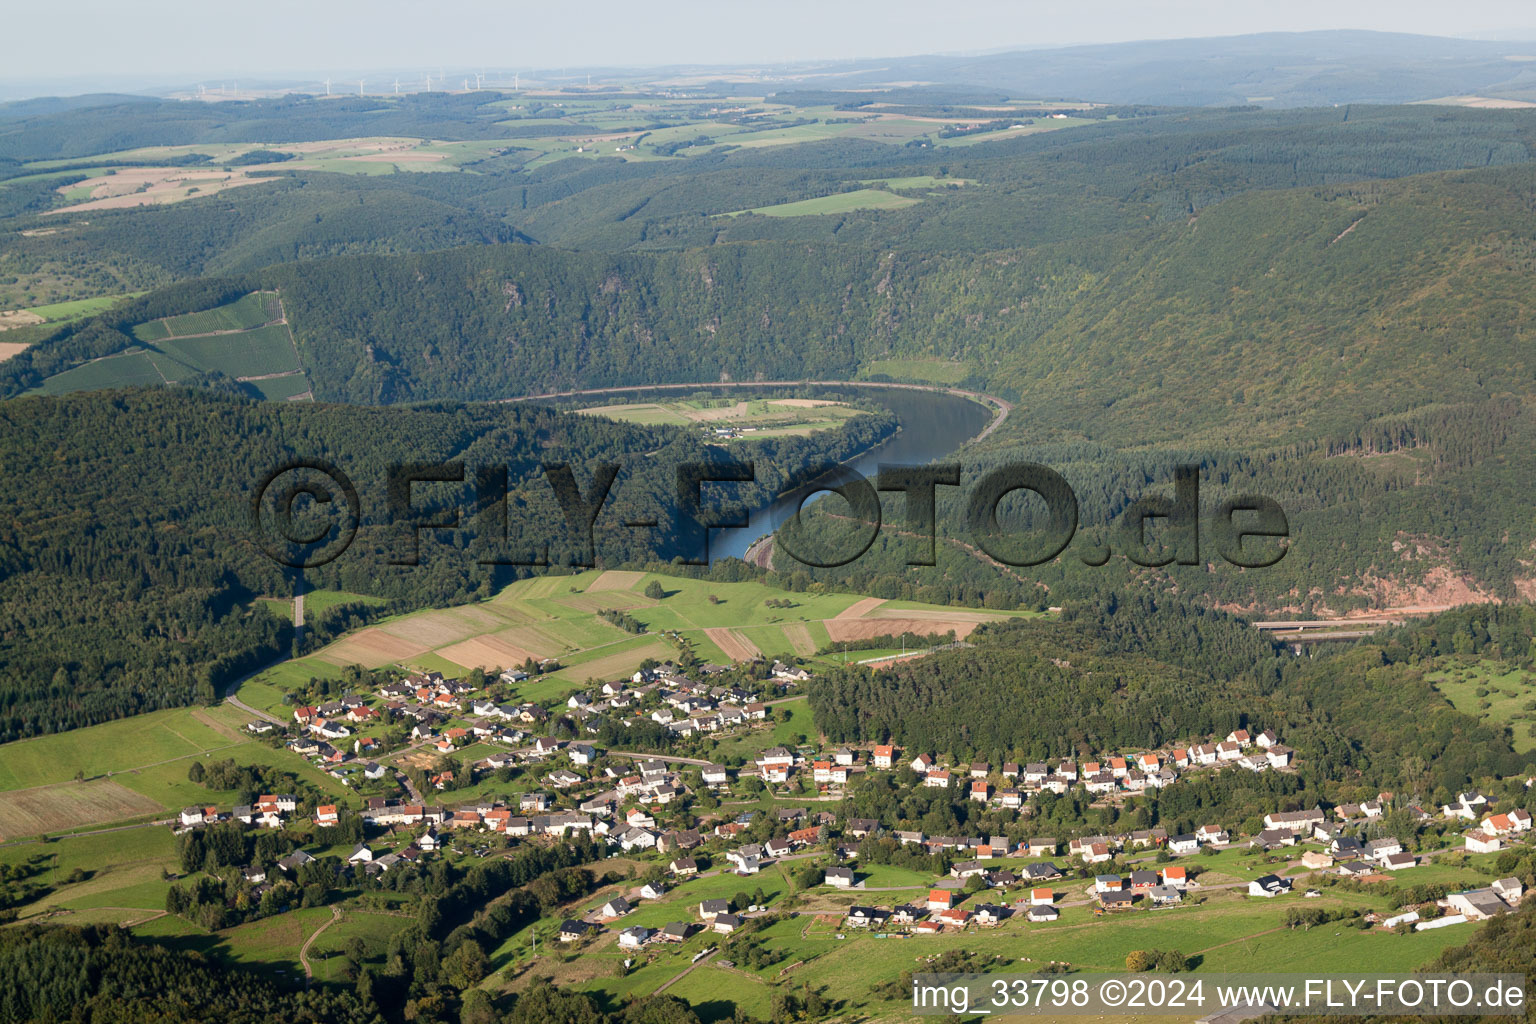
(65, 805)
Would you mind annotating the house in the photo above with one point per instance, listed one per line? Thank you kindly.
(1095, 853)
(616, 907)
(1294, 820)
(677, 931)
(989, 914)
(572, 931)
(711, 909)
(1042, 847)
(1108, 883)
(980, 790)
(1397, 861)
(325, 815)
(683, 867)
(1164, 895)
(1316, 860)
(1482, 842)
(1510, 890)
(1117, 900)
(940, 899)
(884, 756)
(634, 938)
(1266, 739)
(1228, 751)
(1210, 834)
(1205, 753)
(1279, 756)
(1042, 897)
(582, 753)
(842, 878)
(937, 779)
(922, 764)
(1269, 886)
(1377, 849)
(1144, 879)
(1477, 905)
(967, 868)
(1042, 872)
(652, 891)
(858, 828)
(360, 855)
(714, 775)
(294, 861)
(1175, 876)
(777, 848)
(724, 924)
(1183, 844)
(863, 917)
(1041, 914)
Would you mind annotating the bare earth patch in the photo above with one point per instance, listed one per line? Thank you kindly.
(840, 629)
(861, 608)
(10, 319)
(10, 348)
(615, 579)
(25, 812)
(735, 645)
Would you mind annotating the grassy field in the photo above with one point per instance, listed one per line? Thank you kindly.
(1494, 692)
(123, 370)
(933, 371)
(58, 312)
(132, 768)
(261, 350)
(246, 312)
(556, 617)
(841, 202)
(237, 339)
(766, 417)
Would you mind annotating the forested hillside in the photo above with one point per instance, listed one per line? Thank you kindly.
(128, 563)
(1149, 672)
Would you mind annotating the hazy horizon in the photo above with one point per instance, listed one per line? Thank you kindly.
(157, 45)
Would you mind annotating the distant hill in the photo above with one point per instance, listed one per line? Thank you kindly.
(1280, 69)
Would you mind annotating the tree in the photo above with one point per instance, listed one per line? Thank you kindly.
(195, 772)
(655, 591)
(1140, 960)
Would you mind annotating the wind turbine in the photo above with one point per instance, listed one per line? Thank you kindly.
(327, 86)
(359, 86)
(515, 76)
(397, 87)
(429, 81)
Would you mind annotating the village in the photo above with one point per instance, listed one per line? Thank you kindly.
(670, 813)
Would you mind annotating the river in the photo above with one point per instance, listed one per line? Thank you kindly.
(935, 423)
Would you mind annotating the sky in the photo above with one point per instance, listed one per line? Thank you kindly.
(110, 42)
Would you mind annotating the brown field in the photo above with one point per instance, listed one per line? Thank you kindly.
(438, 628)
(25, 812)
(799, 636)
(863, 629)
(488, 652)
(12, 318)
(735, 645)
(10, 348)
(937, 614)
(615, 665)
(861, 608)
(615, 579)
(150, 186)
(620, 599)
(371, 648)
